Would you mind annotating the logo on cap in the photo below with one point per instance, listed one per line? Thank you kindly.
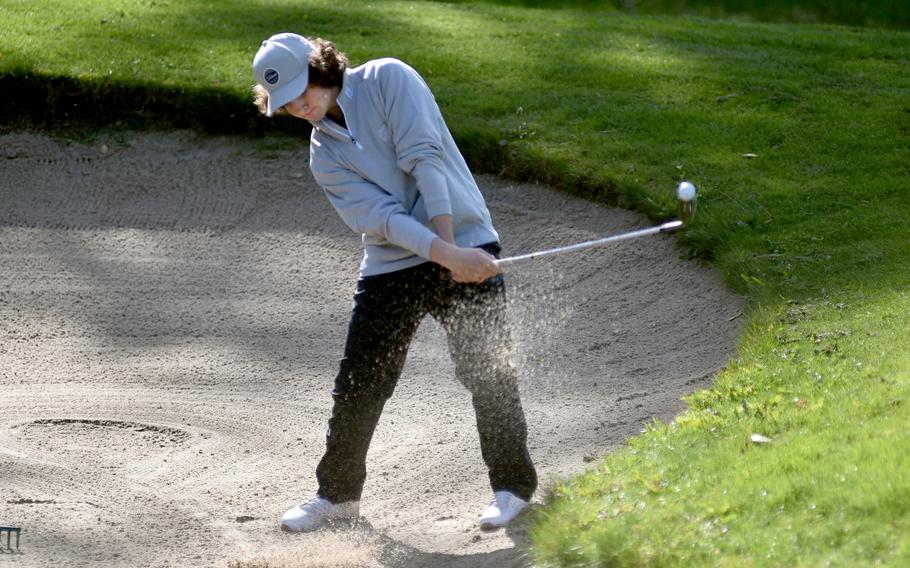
(271, 76)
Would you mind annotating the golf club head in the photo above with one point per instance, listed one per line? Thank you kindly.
(687, 197)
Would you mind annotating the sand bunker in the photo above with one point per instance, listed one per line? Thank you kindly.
(172, 310)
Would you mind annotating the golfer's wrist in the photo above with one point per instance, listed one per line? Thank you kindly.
(442, 252)
(442, 226)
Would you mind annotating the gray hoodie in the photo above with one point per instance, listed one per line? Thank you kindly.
(395, 167)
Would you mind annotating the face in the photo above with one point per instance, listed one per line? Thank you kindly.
(313, 104)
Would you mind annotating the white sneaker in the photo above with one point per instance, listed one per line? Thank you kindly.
(318, 512)
(504, 507)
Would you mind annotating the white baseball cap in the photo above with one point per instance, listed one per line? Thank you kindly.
(281, 67)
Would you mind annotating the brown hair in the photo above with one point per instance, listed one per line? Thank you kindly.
(327, 64)
(326, 69)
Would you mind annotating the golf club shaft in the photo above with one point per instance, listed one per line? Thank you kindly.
(669, 226)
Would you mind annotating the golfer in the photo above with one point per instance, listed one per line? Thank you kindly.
(382, 153)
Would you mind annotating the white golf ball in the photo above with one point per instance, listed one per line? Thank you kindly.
(685, 191)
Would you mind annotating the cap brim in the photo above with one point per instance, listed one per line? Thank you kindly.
(287, 93)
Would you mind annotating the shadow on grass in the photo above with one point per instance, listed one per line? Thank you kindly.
(876, 13)
(40, 100)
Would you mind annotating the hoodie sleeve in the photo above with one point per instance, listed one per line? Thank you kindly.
(415, 123)
(368, 209)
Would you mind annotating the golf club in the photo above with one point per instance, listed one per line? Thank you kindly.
(687, 199)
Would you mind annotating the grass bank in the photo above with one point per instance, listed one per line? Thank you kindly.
(799, 139)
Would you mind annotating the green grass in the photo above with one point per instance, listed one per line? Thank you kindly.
(828, 383)
(619, 107)
(871, 13)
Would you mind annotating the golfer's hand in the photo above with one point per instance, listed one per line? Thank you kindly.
(465, 264)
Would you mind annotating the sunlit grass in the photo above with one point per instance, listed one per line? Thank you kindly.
(827, 484)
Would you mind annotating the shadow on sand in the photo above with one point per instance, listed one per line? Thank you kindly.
(358, 544)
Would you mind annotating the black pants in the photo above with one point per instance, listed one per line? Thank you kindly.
(387, 311)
